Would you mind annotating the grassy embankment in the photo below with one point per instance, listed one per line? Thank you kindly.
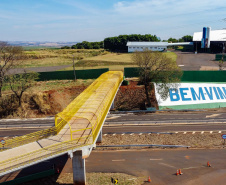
(84, 59)
(56, 57)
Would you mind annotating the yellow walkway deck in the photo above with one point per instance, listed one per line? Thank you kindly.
(76, 127)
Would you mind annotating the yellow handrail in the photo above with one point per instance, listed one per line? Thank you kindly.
(84, 116)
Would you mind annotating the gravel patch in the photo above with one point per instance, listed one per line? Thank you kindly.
(197, 140)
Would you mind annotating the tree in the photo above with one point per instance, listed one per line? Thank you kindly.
(19, 83)
(65, 47)
(119, 43)
(9, 58)
(187, 38)
(172, 40)
(155, 67)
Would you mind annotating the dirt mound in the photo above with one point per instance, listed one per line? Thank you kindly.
(132, 97)
(51, 102)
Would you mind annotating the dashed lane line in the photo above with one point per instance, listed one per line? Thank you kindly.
(213, 115)
(168, 165)
(182, 132)
(118, 160)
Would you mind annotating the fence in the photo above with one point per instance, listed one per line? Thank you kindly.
(30, 177)
(219, 57)
(69, 75)
(188, 76)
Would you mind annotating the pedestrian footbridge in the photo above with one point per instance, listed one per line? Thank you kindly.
(76, 131)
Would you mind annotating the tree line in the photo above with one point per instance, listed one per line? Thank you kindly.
(119, 43)
(86, 45)
(186, 38)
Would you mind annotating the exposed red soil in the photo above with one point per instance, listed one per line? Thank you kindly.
(51, 102)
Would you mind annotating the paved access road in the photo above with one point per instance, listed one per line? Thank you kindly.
(161, 165)
(189, 61)
(38, 69)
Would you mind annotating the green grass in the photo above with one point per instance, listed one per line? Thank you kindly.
(104, 178)
(56, 57)
(53, 84)
(84, 59)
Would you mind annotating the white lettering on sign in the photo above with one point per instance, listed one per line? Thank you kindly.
(194, 93)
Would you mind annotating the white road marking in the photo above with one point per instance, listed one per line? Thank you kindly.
(219, 132)
(131, 134)
(176, 132)
(180, 65)
(140, 134)
(193, 132)
(191, 167)
(118, 160)
(213, 115)
(185, 133)
(155, 159)
(113, 117)
(114, 134)
(123, 134)
(211, 132)
(164, 164)
(105, 134)
(149, 133)
(202, 132)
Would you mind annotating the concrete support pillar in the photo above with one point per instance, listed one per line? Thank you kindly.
(112, 105)
(99, 139)
(79, 171)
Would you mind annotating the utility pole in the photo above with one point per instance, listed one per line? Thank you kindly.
(74, 67)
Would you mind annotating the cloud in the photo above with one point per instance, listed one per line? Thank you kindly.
(165, 7)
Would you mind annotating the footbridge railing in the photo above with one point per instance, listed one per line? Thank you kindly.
(78, 125)
(90, 107)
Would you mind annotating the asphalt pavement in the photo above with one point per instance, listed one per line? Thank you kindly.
(127, 123)
(189, 61)
(161, 165)
(38, 69)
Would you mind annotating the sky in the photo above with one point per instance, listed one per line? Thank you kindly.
(94, 20)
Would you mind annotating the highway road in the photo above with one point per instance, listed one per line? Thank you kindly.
(127, 123)
(160, 165)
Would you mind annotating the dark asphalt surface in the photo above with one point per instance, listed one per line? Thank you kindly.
(39, 69)
(161, 165)
(189, 61)
(168, 117)
(165, 128)
(121, 123)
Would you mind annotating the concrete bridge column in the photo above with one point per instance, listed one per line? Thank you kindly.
(99, 139)
(79, 171)
(112, 105)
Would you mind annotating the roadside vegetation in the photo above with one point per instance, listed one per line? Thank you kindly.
(56, 57)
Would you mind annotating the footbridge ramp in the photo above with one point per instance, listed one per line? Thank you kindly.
(76, 128)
